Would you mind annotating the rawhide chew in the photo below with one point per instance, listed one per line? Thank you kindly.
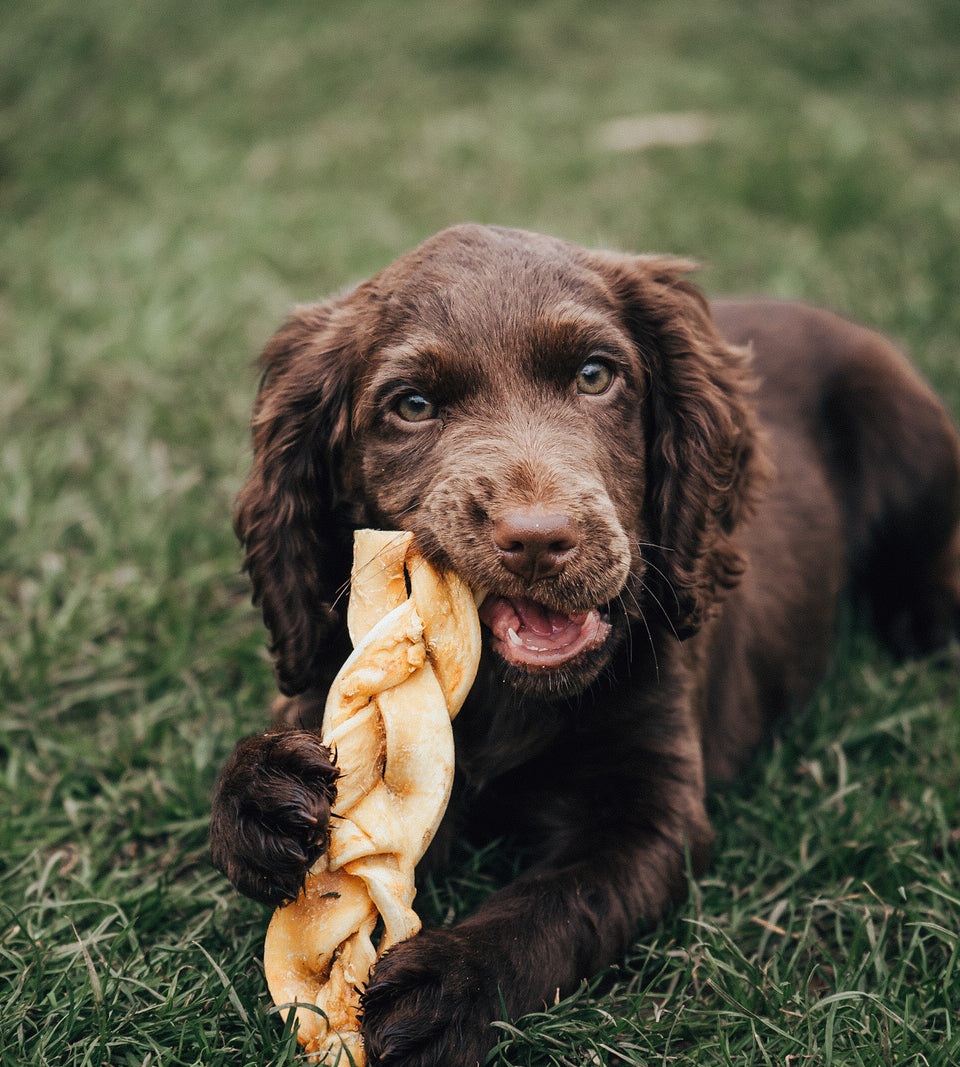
(388, 719)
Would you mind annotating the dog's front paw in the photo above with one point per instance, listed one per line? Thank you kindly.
(271, 813)
(430, 1002)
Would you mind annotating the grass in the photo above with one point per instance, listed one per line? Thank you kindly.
(171, 180)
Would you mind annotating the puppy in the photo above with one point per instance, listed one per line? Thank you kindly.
(664, 501)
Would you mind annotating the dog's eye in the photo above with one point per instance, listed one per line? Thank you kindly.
(594, 377)
(416, 408)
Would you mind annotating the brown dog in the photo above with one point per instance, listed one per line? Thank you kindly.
(664, 502)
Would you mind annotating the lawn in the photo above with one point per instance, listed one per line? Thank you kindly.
(172, 178)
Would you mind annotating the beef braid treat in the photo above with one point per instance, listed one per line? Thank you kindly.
(388, 721)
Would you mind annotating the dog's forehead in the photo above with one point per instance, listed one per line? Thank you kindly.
(505, 286)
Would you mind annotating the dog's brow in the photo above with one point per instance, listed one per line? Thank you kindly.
(590, 330)
(421, 363)
(572, 335)
(416, 358)
(586, 324)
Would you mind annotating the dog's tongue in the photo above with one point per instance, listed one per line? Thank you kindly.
(533, 635)
(540, 619)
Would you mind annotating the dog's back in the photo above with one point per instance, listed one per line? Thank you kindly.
(865, 494)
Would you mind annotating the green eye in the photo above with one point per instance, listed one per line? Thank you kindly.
(416, 408)
(594, 377)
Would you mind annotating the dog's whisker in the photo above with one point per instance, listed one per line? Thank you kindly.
(657, 570)
(342, 592)
(663, 610)
(650, 641)
(653, 544)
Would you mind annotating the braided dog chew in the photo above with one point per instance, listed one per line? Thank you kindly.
(388, 719)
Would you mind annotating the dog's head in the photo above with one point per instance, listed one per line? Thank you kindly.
(563, 428)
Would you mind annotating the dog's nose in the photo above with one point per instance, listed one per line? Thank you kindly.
(535, 545)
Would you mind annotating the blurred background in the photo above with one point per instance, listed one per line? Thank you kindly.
(172, 178)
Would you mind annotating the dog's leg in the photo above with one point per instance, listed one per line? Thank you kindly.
(271, 812)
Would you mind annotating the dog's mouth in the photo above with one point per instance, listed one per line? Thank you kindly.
(536, 637)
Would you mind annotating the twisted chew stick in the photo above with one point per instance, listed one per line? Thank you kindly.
(388, 718)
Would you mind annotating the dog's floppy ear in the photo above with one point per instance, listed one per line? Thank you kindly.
(704, 456)
(297, 548)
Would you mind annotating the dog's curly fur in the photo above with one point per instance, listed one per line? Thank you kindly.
(665, 499)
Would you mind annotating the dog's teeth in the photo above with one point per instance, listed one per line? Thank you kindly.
(513, 637)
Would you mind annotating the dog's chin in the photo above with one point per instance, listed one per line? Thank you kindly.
(556, 684)
(547, 653)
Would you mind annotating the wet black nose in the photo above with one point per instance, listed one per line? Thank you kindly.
(535, 545)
